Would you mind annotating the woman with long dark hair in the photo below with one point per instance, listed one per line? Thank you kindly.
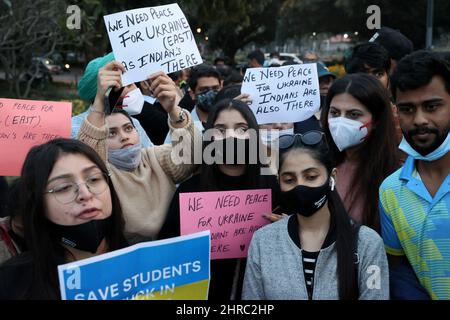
(229, 120)
(69, 211)
(318, 252)
(357, 121)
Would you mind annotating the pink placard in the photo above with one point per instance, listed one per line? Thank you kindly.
(26, 123)
(232, 217)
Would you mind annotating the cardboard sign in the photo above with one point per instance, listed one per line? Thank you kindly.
(231, 216)
(27, 123)
(175, 269)
(283, 94)
(152, 39)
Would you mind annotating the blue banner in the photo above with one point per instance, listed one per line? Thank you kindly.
(175, 269)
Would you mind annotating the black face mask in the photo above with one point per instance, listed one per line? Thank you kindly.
(86, 236)
(305, 200)
(232, 151)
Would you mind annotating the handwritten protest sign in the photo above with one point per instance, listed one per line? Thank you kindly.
(232, 217)
(176, 269)
(283, 94)
(152, 39)
(26, 123)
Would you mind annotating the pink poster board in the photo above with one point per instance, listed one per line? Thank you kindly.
(231, 216)
(26, 123)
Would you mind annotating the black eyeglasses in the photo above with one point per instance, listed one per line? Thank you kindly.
(310, 138)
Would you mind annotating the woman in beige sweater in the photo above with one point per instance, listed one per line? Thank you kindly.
(144, 178)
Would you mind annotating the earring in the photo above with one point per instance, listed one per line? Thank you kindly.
(332, 183)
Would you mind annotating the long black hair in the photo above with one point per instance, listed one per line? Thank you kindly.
(46, 251)
(378, 155)
(209, 178)
(346, 229)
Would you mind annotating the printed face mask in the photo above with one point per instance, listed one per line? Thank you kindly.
(304, 200)
(205, 101)
(133, 102)
(86, 236)
(347, 133)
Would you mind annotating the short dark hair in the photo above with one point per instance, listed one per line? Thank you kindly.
(417, 69)
(257, 55)
(202, 71)
(234, 78)
(368, 55)
(229, 92)
(223, 59)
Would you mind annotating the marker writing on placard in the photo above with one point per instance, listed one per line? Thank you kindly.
(227, 201)
(194, 204)
(182, 63)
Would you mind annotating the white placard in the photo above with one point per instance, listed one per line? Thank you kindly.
(152, 39)
(283, 94)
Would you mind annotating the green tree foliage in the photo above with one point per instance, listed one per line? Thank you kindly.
(409, 16)
(232, 24)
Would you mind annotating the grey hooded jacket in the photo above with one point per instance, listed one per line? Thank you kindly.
(274, 268)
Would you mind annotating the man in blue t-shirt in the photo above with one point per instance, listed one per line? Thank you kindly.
(415, 200)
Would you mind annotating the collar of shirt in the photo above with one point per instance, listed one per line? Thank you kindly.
(413, 182)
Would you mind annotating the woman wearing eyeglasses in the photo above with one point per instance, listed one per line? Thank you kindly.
(69, 211)
(318, 253)
(358, 122)
(143, 177)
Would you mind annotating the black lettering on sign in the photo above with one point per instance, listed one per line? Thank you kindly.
(116, 26)
(235, 218)
(29, 136)
(157, 14)
(239, 231)
(293, 105)
(49, 136)
(227, 201)
(137, 18)
(220, 248)
(195, 204)
(181, 63)
(267, 109)
(134, 38)
(269, 73)
(26, 107)
(219, 235)
(256, 198)
(242, 247)
(250, 77)
(204, 223)
(252, 229)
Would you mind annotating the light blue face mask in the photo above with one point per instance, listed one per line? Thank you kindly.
(433, 156)
(126, 159)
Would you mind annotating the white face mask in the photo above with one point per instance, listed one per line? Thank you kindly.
(268, 137)
(347, 133)
(133, 102)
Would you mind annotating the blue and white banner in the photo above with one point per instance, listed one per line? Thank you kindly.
(175, 269)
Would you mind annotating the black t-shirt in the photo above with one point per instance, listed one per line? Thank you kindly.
(153, 119)
(222, 271)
